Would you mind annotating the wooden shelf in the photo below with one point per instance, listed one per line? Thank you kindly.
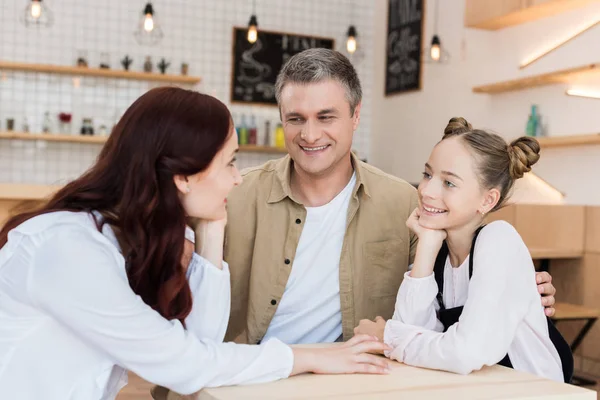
(97, 72)
(23, 191)
(570, 75)
(53, 137)
(498, 14)
(251, 148)
(549, 253)
(569, 141)
(574, 311)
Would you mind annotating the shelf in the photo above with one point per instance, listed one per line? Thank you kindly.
(23, 191)
(97, 72)
(570, 75)
(250, 148)
(498, 14)
(53, 137)
(549, 253)
(569, 141)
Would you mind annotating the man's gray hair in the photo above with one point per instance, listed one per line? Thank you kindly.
(317, 65)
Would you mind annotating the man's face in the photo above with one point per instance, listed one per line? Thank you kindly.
(318, 125)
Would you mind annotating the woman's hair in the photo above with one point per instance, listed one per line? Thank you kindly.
(167, 131)
(498, 164)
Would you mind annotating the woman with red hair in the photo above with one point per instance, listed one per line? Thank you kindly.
(108, 277)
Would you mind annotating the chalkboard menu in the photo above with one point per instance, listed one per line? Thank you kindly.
(256, 65)
(404, 44)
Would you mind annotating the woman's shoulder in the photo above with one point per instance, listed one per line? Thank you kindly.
(63, 227)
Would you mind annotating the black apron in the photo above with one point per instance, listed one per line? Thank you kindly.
(449, 316)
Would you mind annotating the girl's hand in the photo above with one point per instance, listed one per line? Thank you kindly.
(431, 236)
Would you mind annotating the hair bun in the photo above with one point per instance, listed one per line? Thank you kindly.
(456, 126)
(523, 153)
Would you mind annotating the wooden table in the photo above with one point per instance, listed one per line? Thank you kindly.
(405, 382)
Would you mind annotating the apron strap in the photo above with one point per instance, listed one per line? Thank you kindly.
(440, 264)
(472, 254)
(438, 271)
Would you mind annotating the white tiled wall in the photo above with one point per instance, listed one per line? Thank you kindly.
(198, 32)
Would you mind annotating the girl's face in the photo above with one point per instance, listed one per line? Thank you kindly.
(450, 193)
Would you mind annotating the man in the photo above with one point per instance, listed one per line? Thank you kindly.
(317, 240)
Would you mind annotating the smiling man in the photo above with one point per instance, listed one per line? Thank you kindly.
(317, 241)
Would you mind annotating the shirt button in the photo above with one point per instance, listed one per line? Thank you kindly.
(273, 302)
(298, 221)
(287, 261)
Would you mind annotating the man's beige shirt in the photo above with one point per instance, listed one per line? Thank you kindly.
(264, 226)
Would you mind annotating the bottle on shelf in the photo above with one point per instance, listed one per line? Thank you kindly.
(252, 139)
(533, 122)
(279, 136)
(243, 131)
(47, 122)
(25, 125)
(267, 138)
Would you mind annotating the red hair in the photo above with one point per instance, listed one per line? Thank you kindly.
(167, 131)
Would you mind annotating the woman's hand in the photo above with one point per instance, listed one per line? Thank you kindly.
(368, 327)
(430, 236)
(210, 236)
(350, 358)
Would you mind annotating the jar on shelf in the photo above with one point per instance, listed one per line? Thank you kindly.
(104, 61)
(64, 122)
(87, 128)
(148, 64)
(82, 58)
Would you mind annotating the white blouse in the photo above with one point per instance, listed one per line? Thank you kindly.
(70, 325)
(502, 313)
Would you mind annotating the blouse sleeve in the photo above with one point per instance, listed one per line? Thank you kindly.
(79, 282)
(500, 295)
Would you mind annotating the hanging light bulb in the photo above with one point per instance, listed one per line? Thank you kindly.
(252, 29)
(435, 51)
(148, 23)
(37, 14)
(351, 42)
(149, 32)
(253, 25)
(36, 9)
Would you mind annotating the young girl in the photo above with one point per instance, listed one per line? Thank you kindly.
(470, 298)
(101, 279)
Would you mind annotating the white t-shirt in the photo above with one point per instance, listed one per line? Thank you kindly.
(310, 311)
(502, 313)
